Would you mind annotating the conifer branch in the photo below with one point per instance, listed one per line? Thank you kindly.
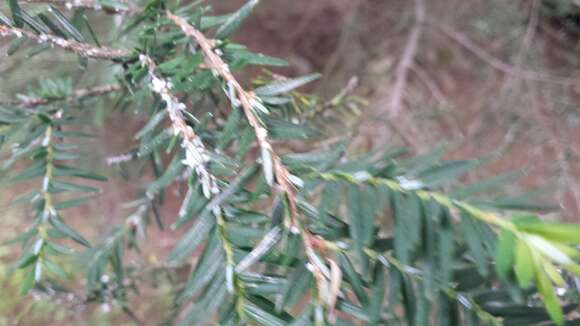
(83, 49)
(248, 101)
(445, 201)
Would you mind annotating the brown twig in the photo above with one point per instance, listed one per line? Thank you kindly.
(401, 124)
(500, 65)
(246, 100)
(29, 102)
(82, 49)
(396, 100)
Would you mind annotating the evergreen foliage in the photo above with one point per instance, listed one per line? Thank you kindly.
(274, 237)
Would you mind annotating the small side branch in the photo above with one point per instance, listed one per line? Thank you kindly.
(30, 102)
(82, 49)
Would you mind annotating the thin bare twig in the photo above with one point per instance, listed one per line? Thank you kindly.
(82, 49)
(407, 59)
(402, 125)
(497, 63)
(29, 102)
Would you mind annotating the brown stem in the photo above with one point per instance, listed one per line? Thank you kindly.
(407, 59)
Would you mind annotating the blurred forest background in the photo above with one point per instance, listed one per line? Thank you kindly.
(494, 79)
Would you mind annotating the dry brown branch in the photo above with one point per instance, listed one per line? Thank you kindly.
(403, 126)
(396, 100)
(82, 49)
(246, 101)
(29, 102)
(497, 63)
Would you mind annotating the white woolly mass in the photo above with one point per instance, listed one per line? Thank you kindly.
(111, 160)
(195, 153)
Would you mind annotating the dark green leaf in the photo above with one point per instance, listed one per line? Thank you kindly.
(67, 171)
(34, 171)
(561, 232)
(234, 21)
(407, 213)
(171, 173)
(486, 185)
(472, 238)
(298, 282)
(377, 294)
(445, 173)
(209, 264)
(66, 24)
(284, 86)
(147, 145)
(69, 232)
(362, 210)
(353, 278)
(16, 13)
(524, 264)
(59, 186)
(28, 282)
(264, 312)
(73, 202)
(192, 239)
(257, 59)
(505, 253)
(192, 204)
(550, 298)
(5, 20)
(151, 124)
(37, 26)
(282, 129)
